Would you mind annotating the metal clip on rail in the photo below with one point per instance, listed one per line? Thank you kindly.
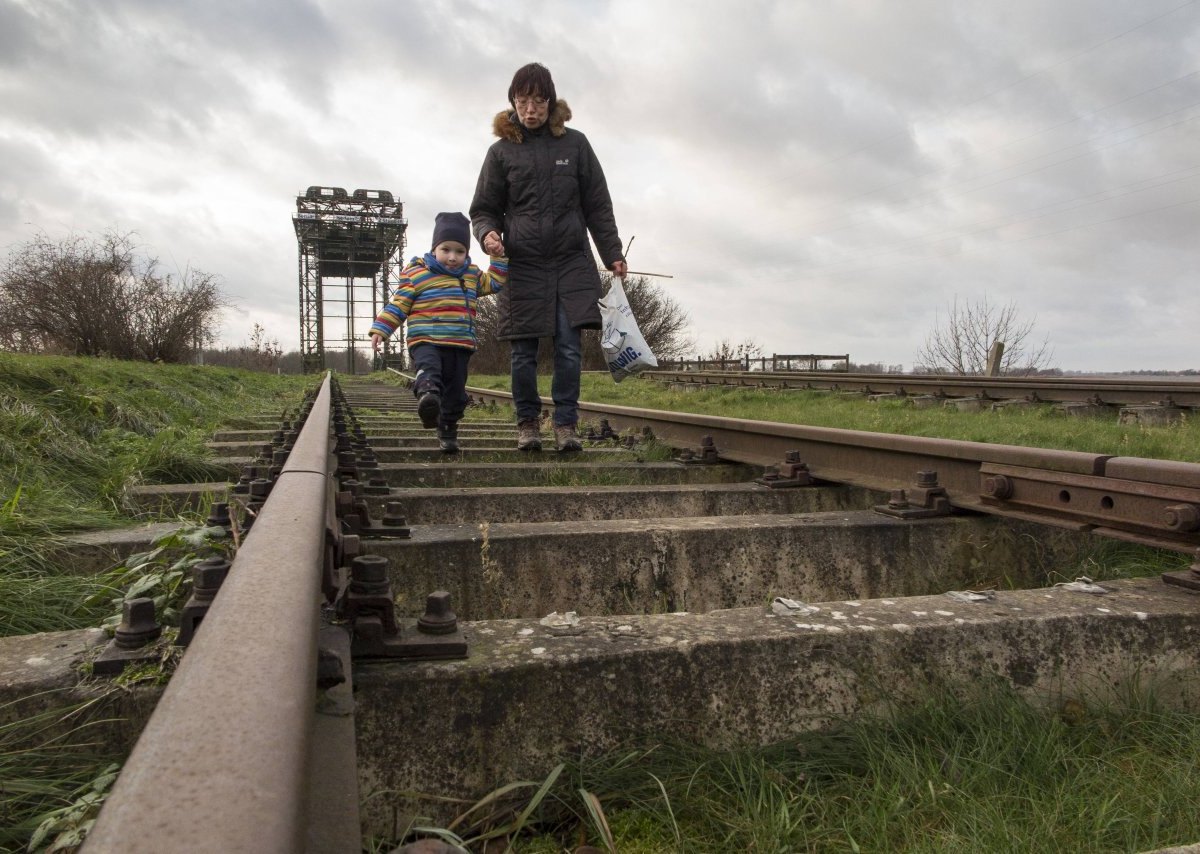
(1189, 578)
(368, 604)
(134, 642)
(708, 454)
(792, 472)
(924, 501)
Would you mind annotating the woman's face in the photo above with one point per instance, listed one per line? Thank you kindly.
(532, 110)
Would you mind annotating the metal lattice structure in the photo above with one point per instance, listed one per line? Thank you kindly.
(351, 252)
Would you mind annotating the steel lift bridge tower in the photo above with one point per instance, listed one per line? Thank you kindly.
(351, 254)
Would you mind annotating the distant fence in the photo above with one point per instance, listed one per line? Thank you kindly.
(773, 363)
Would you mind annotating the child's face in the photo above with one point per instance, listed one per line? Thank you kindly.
(450, 254)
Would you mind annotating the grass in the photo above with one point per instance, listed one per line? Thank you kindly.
(1039, 426)
(51, 766)
(75, 435)
(965, 769)
(960, 770)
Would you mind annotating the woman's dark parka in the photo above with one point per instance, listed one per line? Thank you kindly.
(542, 191)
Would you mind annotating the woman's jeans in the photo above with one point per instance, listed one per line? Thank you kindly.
(564, 386)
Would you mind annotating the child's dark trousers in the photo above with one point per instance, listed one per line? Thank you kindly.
(442, 370)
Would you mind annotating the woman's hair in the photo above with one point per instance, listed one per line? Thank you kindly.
(532, 80)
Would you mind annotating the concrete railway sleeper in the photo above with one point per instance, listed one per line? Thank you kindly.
(780, 577)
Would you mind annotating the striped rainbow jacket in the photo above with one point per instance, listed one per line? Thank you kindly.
(439, 308)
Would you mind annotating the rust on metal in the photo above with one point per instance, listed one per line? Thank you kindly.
(926, 499)
(1099, 391)
(1140, 490)
(246, 779)
(133, 640)
(792, 472)
(1163, 513)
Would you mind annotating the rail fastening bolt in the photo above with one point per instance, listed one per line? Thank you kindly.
(393, 514)
(138, 626)
(207, 577)
(927, 479)
(218, 515)
(438, 618)
(998, 486)
(368, 574)
(1182, 517)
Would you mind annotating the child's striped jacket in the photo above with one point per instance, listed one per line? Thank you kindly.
(440, 309)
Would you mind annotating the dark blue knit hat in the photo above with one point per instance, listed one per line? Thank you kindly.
(451, 226)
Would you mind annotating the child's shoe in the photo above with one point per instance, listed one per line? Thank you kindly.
(565, 439)
(429, 407)
(529, 437)
(448, 438)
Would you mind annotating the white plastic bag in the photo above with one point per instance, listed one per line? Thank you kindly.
(625, 349)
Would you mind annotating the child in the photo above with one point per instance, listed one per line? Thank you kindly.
(437, 295)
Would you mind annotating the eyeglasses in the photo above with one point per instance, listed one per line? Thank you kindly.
(522, 103)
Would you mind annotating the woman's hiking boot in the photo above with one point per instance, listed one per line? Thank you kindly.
(429, 407)
(565, 438)
(529, 435)
(448, 438)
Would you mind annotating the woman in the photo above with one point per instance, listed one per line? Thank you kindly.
(540, 192)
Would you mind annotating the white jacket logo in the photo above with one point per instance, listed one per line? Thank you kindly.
(563, 162)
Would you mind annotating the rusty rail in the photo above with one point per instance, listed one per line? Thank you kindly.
(223, 763)
(1153, 502)
(1109, 392)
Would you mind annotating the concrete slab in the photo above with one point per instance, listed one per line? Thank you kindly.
(95, 551)
(1150, 416)
(99, 550)
(589, 503)
(172, 498)
(654, 565)
(551, 469)
(529, 697)
(504, 451)
(1083, 410)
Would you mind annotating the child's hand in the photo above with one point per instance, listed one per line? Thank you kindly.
(492, 244)
(376, 342)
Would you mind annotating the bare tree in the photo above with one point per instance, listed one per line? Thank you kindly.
(961, 342)
(728, 356)
(262, 354)
(661, 320)
(99, 297)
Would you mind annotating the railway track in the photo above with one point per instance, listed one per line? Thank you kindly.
(492, 609)
(1096, 392)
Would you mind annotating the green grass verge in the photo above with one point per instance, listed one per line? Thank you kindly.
(970, 769)
(1038, 426)
(75, 435)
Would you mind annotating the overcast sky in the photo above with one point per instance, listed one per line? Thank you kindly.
(818, 176)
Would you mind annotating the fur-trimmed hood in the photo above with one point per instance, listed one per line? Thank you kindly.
(505, 125)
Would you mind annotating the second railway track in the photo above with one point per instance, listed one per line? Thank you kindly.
(1096, 392)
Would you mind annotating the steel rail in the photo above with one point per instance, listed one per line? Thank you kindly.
(1154, 502)
(1182, 393)
(222, 764)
